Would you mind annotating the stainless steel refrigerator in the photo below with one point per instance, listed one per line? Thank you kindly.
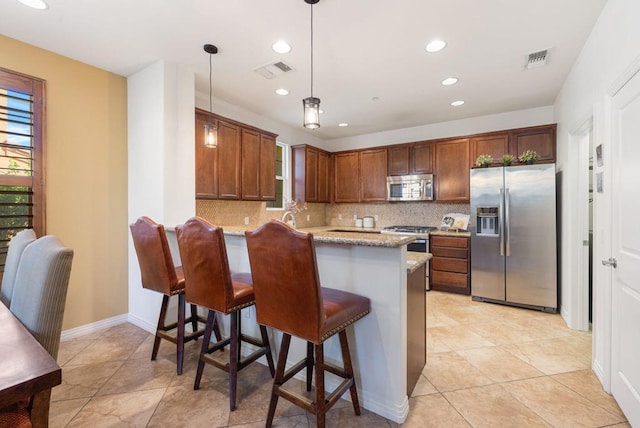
(513, 236)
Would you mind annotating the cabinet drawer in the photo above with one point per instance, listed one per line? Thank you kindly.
(456, 253)
(449, 241)
(448, 278)
(449, 265)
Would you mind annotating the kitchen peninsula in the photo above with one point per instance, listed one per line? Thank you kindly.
(375, 266)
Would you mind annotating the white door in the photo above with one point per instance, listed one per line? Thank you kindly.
(625, 364)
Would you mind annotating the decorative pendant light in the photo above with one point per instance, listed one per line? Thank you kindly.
(210, 128)
(311, 105)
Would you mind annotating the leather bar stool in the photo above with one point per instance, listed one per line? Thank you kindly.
(159, 274)
(289, 298)
(210, 284)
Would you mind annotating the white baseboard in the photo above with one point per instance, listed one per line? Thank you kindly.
(142, 323)
(93, 327)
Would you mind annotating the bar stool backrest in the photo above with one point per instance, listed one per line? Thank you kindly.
(285, 280)
(204, 262)
(154, 257)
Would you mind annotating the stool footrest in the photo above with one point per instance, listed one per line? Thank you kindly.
(243, 362)
(338, 371)
(293, 371)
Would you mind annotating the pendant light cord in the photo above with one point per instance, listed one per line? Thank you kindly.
(312, 50)
(210, 90)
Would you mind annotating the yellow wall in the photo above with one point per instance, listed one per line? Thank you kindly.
(86, 175)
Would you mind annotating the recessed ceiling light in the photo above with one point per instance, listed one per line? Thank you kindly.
(457, 103)
(343, 124)
(450, 81)
(281, 47)
(282, 91)
(436, 46)
(36, 4)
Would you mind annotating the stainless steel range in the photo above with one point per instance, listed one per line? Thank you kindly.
(420, 245)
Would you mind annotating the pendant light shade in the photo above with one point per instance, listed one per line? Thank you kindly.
(210, 128)
(210, 135)
(311, 105)
(311, 112)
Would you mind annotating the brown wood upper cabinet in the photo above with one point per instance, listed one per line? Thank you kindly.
(311, 174)
(495, 145)
(413, 158)
(206, 164)
(258, 166)
(360, 176)
(542, 139)
(452, 170)
(373, 175)
(267, 167)
(241, 167)
(346, 177)
(229, 157)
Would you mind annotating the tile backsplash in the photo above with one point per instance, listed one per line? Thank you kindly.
(233, 213)
(399, 213)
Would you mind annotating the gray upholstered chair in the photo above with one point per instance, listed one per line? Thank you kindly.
(39, 297)
(16, 247)
(40, 290)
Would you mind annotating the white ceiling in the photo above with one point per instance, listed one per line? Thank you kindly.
(362, 49)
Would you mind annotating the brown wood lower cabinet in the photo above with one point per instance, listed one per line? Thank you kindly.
(416, 326)
(450, 265)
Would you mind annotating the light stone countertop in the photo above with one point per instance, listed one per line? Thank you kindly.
(415, 260)
(341, 235)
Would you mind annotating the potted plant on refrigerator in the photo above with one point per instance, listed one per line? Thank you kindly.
(484, 161)
(507, 159)
(528, 157)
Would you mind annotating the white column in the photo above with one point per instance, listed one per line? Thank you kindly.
(161, 168)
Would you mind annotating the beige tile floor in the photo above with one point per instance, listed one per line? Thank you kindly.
(487, 366)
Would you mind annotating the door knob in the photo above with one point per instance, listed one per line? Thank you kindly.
(611, 262)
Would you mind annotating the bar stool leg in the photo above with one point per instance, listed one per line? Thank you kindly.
(348, 368)
(277, 381)
(320, 401)
(310, 362)
(180, 333)
(266, 343)
(163, 314)
(216, 330)
(206, 338)
(194, 318)
(234, 357)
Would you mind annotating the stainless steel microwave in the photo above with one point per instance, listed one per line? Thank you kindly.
(417, 187)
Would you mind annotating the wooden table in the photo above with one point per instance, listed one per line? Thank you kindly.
(26, 368)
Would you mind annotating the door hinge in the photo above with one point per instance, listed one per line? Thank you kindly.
(611, 262)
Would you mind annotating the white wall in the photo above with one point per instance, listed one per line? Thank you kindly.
(611, 51)
(161, 164)
(454, 128)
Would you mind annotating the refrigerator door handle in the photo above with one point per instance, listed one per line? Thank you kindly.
(507, 223)
(501, 224)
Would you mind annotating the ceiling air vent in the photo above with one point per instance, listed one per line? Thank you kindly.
(537, 59)
(273, 70)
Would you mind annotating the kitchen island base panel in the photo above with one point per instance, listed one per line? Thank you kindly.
(378, 342)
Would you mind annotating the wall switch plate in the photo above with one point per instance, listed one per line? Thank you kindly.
(308, 217)
(339, 216)
(246, 221)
